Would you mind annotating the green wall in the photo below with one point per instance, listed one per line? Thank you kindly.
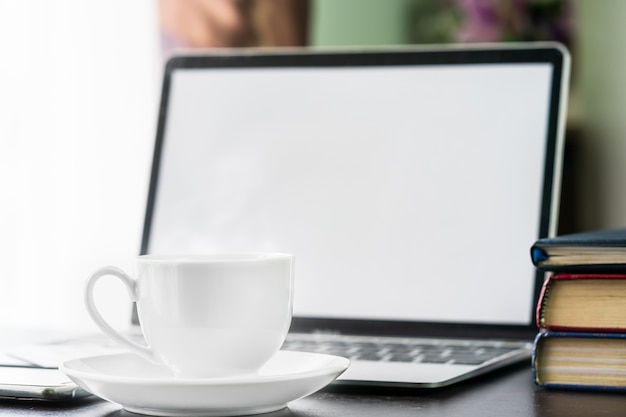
(359, 22)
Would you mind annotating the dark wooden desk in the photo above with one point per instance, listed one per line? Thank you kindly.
(506, 393)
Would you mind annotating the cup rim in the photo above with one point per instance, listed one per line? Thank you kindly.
(215, 258)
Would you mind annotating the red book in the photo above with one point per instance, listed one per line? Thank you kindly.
(583, 302)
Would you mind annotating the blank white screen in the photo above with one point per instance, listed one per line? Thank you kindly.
(407, 193)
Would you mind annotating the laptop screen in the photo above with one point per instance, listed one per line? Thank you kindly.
(408, 184)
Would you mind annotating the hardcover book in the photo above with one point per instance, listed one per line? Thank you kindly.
(580, 360)
(584, 302)
(596, 251)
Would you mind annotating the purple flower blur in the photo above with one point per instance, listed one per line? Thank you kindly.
(515, 20)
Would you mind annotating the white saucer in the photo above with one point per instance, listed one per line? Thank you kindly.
(142, 387)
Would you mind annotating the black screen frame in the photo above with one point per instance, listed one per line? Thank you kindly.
(554, 54)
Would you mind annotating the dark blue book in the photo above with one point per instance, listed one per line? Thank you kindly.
(598, 251)
(576, 360)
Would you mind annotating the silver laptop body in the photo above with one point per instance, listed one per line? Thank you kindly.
(409, 183)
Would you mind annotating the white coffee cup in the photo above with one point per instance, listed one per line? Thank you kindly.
(206, 316)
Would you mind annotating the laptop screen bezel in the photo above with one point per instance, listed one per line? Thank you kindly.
(552, 54)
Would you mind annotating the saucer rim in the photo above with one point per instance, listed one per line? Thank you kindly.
(335, 364)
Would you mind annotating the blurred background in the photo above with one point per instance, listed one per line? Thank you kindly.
(79, 92)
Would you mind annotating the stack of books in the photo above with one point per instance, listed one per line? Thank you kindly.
(581, 312)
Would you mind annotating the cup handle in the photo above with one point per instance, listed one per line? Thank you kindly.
(130, 284)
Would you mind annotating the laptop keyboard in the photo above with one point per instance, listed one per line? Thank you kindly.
(407, 350)
(433, 351)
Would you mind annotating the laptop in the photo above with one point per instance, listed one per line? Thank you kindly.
(409, 184)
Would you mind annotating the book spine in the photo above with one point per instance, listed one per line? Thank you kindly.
(541, 303)
(538, 255)
(535, 358)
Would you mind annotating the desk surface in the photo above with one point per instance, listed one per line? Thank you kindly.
(509, 392)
